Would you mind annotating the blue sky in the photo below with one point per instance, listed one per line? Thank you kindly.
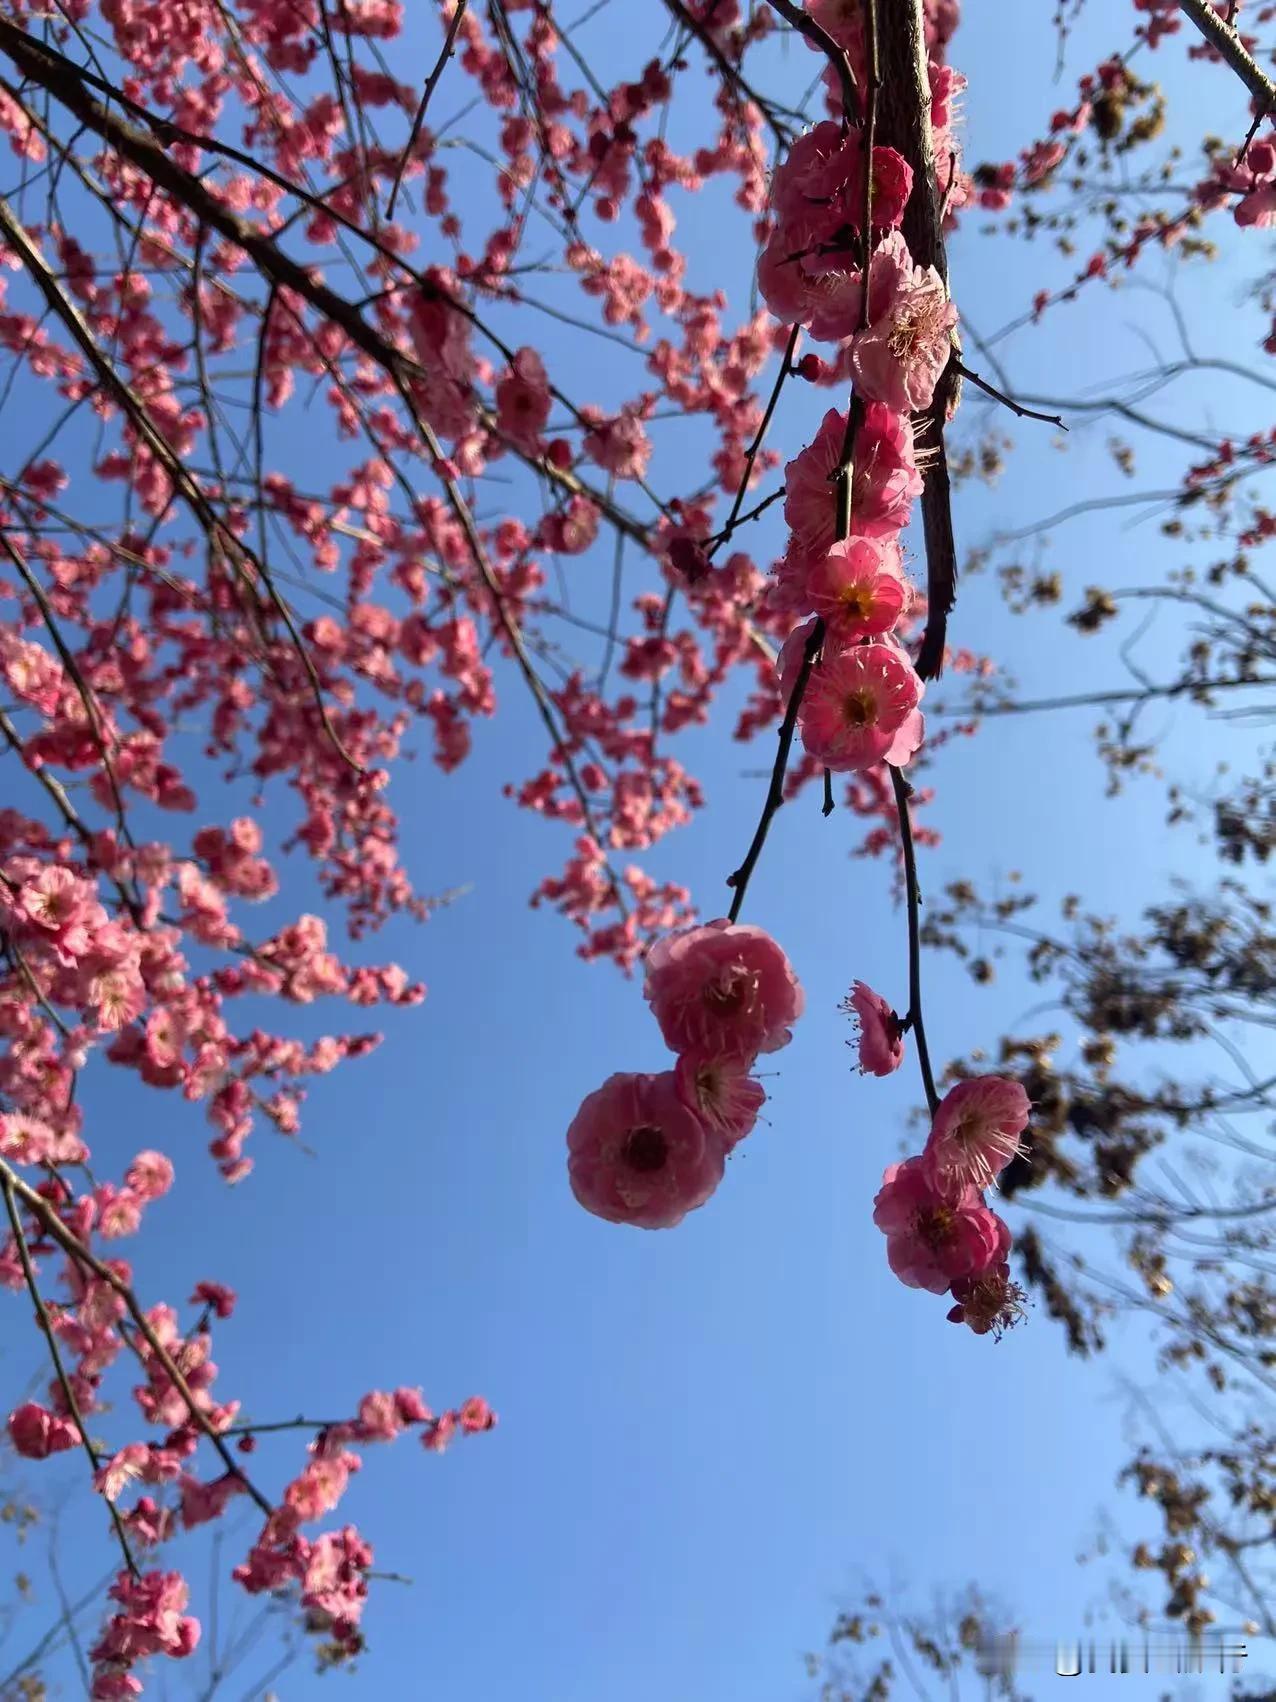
(706, 1436)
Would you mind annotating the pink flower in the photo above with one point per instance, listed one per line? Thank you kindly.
(884, 480)
(523, 400)
(881, 1035)
(620, 445)
(637, 1154)
(976, 1131)
(216, 1296)
(724, 990)
(150, 1175)
(122, 1469)
(892, 185)
(26, 1139)
(475, 1414)
(856, 590)
(722, 1093)
(859, 708)
(817, 169)
(36, 1433)
(899, 358)
(989, 1303)
(934, 1237)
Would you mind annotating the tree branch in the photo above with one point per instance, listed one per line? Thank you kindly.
(1223, 38)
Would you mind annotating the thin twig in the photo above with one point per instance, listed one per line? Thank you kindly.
(915, 1021)
(739, 881)
(431, 83)
(1006, 401)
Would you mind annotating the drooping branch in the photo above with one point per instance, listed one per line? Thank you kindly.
(916, 1020)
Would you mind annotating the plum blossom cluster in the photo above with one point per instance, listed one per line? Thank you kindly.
(157, 1489)
(941, 1234)
(647, 1149)
(837, 263)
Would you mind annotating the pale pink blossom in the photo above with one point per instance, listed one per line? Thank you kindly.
(722, 1093)
(898, 360)
(977, 1129)
(150, 1175)
(859, 708)
(723, 990)
(933, 1237)
(638, 1154)
(28, 1140)
(881, 1034)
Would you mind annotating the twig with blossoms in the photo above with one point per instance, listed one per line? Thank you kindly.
(837, 55)
(220, 537)
(514, 637)
(71, 1244)
(64, 1382)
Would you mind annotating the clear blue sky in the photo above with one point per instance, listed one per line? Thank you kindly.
(706, 1436)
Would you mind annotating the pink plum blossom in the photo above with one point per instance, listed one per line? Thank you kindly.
(638, 1154)
(36, 1433)
(976, 1130)
(881, 1034)
(933, 1237)
(898, 360)
(523, 400)
(723, 990)
(860, 707)
(722, 1093)
(856, 589)
(884, 481)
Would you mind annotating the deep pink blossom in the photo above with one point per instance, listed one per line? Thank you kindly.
(523, 400)
(36, 1433)
(860, 708)
(857, 589)
(933, 1237)
(884, 481)
(881, 1035)
(638, 1154)
(977, 1129)
(723, 990)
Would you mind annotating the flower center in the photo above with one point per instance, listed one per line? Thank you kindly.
(934, 1227)
(646, 1149)
(728, 991)
(860, 708)
(857, 599)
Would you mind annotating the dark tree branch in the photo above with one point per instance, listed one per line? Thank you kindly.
(905, 126)
(1223, 38)
(915, 1022)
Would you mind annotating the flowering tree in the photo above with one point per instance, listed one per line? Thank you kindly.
(220, 211)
